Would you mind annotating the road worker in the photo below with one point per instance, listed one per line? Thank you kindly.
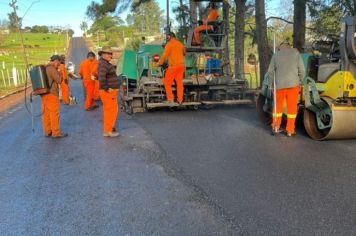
(174, 51)
(50, 101)
(287, 69)
(212, 16)
(86, 71)
(65, 81)
(108, 90)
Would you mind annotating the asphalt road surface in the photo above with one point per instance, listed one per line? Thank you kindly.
(205, 172)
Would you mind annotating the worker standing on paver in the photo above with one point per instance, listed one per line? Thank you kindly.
(175, 52)
(287, 69)
(65, 81)
(86, 73)
(50, 101)
(212, 16)
(108, 90)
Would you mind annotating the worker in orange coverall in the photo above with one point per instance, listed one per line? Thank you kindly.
(65, 81)
(50, 101)
(175, 52)
(212, 16)
(86, 72)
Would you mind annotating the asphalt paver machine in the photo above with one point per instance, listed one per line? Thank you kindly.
(207, 81)
(327, 104)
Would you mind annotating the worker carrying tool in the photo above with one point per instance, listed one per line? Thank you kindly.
(87, 73)
(50, 101)
(108, 90)
(65, 81)
(175, 52)
(212, 16)
(285, 72)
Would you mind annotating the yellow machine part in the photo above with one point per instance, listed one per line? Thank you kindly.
(341, 84)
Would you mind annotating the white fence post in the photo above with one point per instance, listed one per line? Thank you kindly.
(8, 77)
(3, 78)
(14, 76)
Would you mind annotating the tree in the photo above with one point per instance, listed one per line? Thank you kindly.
(13, 20)
(107, 7)
(261, 38)
(84, 27)
(70, 32)
(148, 18)
(39, 29)
(299, 24)
(193, 11)
(106, 24)
(226, 53)
(239, 45)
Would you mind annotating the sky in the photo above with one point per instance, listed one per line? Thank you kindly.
(65, 13)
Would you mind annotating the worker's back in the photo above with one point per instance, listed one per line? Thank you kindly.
(288, 67)
(175, 51)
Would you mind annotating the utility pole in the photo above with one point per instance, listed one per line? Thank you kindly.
(168, 24)
(13, 5)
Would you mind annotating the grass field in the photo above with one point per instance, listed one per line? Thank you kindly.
(39, 47)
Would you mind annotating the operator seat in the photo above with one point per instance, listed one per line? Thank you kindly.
(216, 33)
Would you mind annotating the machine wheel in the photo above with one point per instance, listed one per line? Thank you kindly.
(310, 125)
(263, 110)
(195, 107)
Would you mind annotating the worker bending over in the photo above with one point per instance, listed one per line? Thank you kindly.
(108, 90)
(288, 70)
(65, 81)
(50, 101)
(212, 16)
(175, 52)
(87, 72)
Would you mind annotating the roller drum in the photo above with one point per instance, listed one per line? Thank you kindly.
(343, 123)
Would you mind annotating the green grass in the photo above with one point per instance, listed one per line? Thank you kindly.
(39, 48)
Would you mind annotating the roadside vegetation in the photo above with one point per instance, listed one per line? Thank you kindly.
(39, 47)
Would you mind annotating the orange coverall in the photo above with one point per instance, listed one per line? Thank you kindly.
(174, 51)
(291, 97)
(95, 73)
(50, 104)
(110, 109)
(50, 114)
(213, 16)
(85, 71)
(65, 84)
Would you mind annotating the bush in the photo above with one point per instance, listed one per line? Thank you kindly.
(134, 44)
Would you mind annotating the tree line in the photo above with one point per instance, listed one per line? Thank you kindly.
(247, 19)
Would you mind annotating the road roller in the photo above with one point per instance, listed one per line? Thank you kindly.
(327, 103)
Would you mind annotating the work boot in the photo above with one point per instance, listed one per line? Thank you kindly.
(48, 135)
(291, 134)
(276, 131)
(169, 103)
(111, 134)
(92, 108)
(61, 135)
